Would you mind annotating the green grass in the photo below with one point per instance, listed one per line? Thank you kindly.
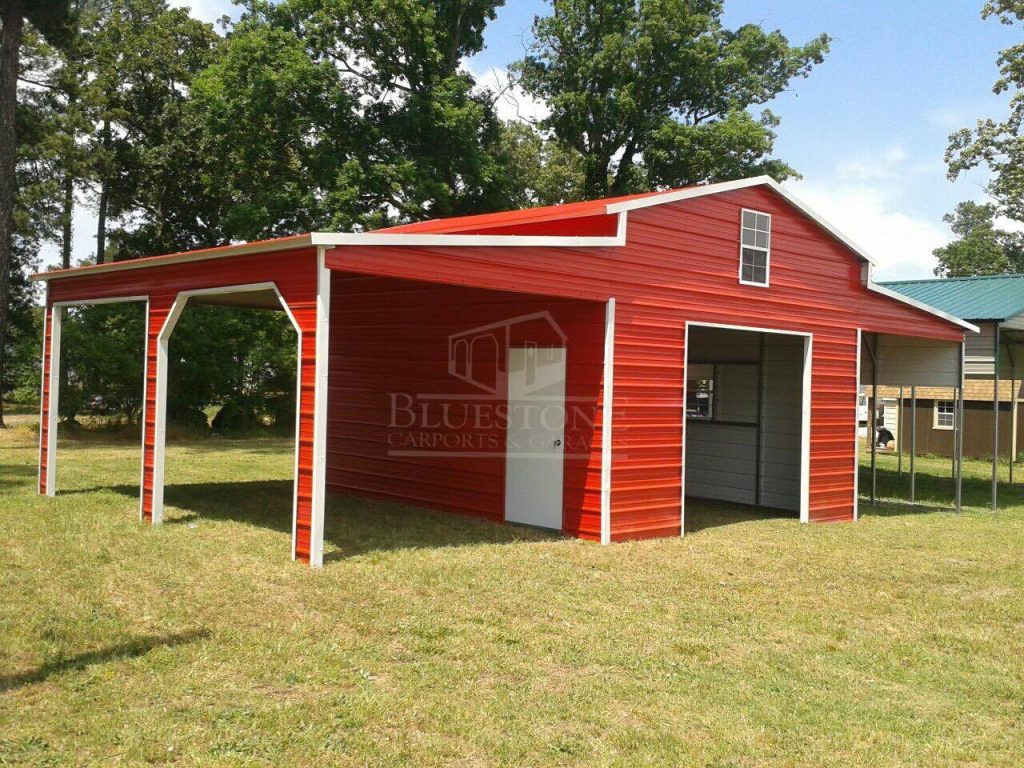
(429, 639)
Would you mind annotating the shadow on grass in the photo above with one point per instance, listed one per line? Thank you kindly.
(933, 493)
(353, 525)
(703, 514)
(131, 649)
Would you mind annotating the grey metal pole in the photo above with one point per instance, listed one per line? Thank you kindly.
(874, 422)
(899, 435)
(995, 423)
(958, 441)
(913, 439)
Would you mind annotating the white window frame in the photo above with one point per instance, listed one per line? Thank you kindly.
(935, 415)
(767, 251)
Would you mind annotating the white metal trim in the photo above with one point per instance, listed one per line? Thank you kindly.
(160, 414)
(320, 402)
(607, 408)
(805, 406)
(53, 313)
(332, 239)
(856, 436)
(682, 454)
(731, 186)
(42, 388)
(891, 294)
(767, 251)
(805, 431)
(53, 404)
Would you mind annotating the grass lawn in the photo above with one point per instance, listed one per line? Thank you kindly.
(428, 639)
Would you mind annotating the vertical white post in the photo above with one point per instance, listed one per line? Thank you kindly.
(913, 442)
(805, 433)
(53, 403)
(160, 423)
(606, 422)
(322, 367)
(856, 439)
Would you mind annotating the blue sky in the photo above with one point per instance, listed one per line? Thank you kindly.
(867, 129)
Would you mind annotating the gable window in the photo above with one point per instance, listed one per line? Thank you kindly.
(944, 414)
(755, 247)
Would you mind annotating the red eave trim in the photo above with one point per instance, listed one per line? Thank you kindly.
(220, 251)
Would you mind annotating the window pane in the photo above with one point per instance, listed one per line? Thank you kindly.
(761, 241)
(749, 219)
(748, 273)
(760, 275)
(762, 222)
(749, 237)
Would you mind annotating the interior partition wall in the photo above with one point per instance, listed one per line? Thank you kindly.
(745, 417)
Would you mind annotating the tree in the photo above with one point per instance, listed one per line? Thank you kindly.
(656, 92)
(431, 141)
(998, 145)
(50, 17)
(980, 248)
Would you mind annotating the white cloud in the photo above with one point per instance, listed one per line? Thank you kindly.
(513, 103)
(901, 243)
(207, 10)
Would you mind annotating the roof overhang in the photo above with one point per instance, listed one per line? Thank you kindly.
(620, 208)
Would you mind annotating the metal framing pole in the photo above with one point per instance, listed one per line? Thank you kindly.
(899, 435)
(913, 439)
(874, 421)
(958, 434)
(995, 422)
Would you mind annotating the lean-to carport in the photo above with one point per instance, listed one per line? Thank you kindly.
(995, 304)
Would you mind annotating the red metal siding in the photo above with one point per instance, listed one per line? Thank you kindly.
(680, 264)
(293, 272)
(401, 426)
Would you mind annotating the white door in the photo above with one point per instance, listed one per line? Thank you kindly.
(536, 435)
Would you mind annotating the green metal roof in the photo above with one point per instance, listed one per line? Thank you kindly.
(987, 297)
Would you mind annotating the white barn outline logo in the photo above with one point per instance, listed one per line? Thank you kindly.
(491, 343)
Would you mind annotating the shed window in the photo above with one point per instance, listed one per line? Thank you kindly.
(945, 413)
(755, 247)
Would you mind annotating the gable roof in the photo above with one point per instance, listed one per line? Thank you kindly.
(986, 297)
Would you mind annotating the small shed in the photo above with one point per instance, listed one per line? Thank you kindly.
(995, 304)
(582, 367)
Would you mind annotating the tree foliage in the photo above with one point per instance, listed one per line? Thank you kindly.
(998, 144)
(980, 247)
(656, 92)
(349, 114)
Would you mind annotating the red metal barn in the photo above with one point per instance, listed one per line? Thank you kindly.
(581, 367)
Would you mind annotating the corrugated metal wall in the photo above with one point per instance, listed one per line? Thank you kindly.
(402, 426)
(680, 263)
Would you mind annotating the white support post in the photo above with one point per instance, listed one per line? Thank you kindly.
(323, 338)
(606, 423)
(53, 403)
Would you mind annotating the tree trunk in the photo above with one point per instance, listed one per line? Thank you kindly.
(67, 218)
(101, 219)
(10, 44)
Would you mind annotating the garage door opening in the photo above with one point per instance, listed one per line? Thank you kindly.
(747, 432)
(231, 409)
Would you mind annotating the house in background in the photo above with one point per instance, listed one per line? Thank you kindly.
(995, 304)
(936, 412)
